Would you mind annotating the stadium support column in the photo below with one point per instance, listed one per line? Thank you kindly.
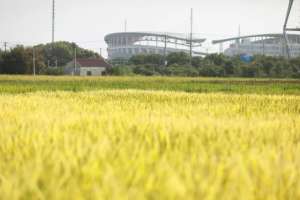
(165, 50)
(239, 41)
(221, 48)
(263, 45)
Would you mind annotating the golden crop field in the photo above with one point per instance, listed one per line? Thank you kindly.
(137, 144)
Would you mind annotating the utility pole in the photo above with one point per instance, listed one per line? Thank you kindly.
(100, 52)
(286, 29)
(125, 26)
(33, 60)
(191, 38)
(53, 34)
(238, 40)
(75, 60)
(53, 21)
(5, 46)
(165, 50)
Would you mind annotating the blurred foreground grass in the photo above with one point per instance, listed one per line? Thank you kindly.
(131, 144)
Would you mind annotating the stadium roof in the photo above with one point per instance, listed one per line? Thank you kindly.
(275, 35)
(178, 36)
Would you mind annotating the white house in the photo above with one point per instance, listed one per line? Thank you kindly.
(87, 67)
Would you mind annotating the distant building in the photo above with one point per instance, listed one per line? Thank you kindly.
(127, 44)
(262, 44)
(87, 67)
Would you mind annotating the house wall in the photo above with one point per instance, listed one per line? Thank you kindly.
(95, 71)
(69, 69)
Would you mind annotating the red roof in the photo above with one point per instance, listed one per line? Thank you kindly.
(93, 62)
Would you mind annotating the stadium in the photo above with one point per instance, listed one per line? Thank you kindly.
(262, 44)
(124, 45)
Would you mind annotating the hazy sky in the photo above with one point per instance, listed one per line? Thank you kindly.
(88, 21)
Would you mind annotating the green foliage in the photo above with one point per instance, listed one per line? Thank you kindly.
(148, 70)
(179, 58)
(19, 59)
(25, 84)
(63, 52)
(197, 62)
(54, 71)
(1, 59)
(215, 65)
(122, 70)
(153, 59)
(180, 70)
(212, 71)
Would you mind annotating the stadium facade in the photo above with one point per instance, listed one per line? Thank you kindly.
(262, 44)
(124, 45)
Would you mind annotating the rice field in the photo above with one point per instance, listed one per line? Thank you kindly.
(145, 143)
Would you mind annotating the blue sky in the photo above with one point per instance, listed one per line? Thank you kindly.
(87, 22)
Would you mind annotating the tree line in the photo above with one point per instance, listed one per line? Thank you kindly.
(19, 60)
(214, 65)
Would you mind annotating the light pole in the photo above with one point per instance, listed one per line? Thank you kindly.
(286, 29)
(33, 60)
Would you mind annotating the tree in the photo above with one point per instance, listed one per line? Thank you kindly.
(17, 61)
(229, 67)
(147, 70)
(212, 71)
(137, 59)
(216, 59)
(179, 58)
(63, 52)
(1, 60)
(181, 70)
(122, 71)
(249, 71)
(197, 61)
(142, 59)
(154, 59)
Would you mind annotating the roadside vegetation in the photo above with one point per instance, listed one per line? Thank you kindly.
(27, 84)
